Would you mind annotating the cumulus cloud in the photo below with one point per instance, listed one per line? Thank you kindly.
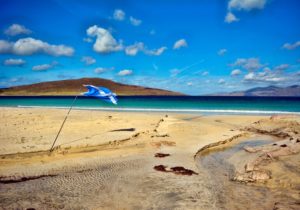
(271, 76)
(221, 81)
(156, 52)
(125, 72)
(230, 17)
(134, 21)
(249, 76)
(281, 67)
(29, 46)
(235, 72)
(132, 50)
(105, 42)
(16, 29)
(250, 64)
(44, 67)
(246, 5)
(266, 78)
(119, 15)
(101, 70)
(290, 46)
(179, 44)
(5, 46)
(88, 60)
(205, 73)
(14, 62)
(222, 52)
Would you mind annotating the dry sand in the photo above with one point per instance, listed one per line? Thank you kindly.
(106, 160)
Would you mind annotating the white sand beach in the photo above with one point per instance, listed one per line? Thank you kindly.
(106, 160)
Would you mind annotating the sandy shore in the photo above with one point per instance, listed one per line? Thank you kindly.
(106, 160)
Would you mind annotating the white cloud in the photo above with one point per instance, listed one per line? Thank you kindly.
(134, 21)
(249, 76)
(292, 46)
(179, 44)
(101, 70)
(16, 29)
(281, 67)
(268, 76)
(14, 62)
(132, 50)
(250, 64)
(156, 52)
(105, 42)
(266, 69)
(221, 81)
(88, 60)
(5, 46)
(189, 84)
(44, 67)
(125, 72)
(29, 46)
(205, 73)
(235, 72)
(119, 15)
(222, 52)
(230, 17)
(246, 4)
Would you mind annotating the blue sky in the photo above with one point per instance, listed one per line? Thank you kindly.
(195, 47)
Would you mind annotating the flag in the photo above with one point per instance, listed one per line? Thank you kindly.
(101, 93)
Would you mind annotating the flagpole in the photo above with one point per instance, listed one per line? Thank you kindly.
(62, 125)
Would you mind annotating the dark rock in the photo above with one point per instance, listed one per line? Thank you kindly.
(161, 155)
(283, 145)
(160, 168)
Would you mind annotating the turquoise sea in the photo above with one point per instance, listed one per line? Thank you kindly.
(194, 104)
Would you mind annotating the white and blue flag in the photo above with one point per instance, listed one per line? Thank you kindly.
(101, 93)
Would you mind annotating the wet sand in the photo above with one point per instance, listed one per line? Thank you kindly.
(107, 160)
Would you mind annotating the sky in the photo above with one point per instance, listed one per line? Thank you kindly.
(191, 46)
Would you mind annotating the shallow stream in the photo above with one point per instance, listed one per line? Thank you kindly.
(233, 195)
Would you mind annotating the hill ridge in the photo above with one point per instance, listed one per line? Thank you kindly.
(75, 86)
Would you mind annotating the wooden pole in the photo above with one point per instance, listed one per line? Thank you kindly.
(62, 125)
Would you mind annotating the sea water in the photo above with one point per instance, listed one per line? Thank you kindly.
(194, 104)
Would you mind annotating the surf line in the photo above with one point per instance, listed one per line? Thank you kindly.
(234, 111)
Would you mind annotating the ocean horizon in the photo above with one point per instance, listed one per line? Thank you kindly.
(193, 104)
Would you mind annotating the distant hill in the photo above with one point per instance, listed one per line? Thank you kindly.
(291, 91)
(73, 87)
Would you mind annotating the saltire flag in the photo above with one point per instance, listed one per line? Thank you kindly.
(101, 93)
